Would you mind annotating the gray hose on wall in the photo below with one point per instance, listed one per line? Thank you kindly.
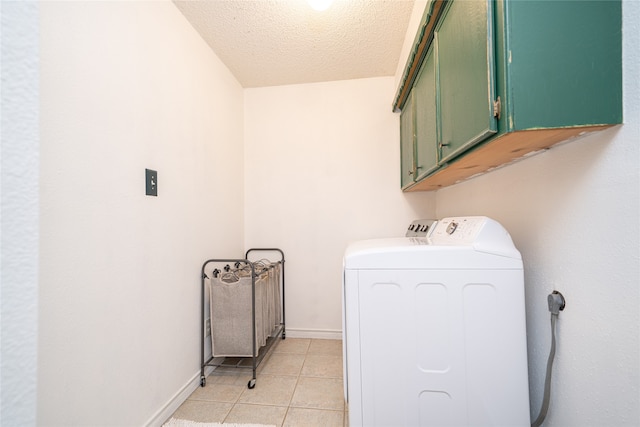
(547, 382)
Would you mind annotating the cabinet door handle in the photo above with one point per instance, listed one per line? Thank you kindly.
(442, 145)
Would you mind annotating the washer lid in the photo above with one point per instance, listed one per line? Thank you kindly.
(455, 243)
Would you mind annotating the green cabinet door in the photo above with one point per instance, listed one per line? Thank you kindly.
(564, 63)
(407, 136)
(425, 100)
(466, 72)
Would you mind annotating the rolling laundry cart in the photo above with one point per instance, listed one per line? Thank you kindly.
(246, 310)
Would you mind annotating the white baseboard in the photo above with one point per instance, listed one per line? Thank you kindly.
(178, 399)
(324, 334)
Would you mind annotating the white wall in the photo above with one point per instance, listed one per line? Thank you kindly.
(322, 170)
(19, 212)
(127, 86)
(573, 213)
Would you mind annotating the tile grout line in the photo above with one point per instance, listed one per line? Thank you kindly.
(310, 351)
(288, 406)
(232, 406)
(306, 353)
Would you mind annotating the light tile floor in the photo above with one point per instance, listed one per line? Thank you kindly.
(298, 384)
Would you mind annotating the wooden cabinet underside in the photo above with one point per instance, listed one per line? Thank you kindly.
(498, 152)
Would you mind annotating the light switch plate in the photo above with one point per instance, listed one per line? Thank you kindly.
(152, 182)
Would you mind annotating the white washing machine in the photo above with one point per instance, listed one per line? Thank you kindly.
(434, 328)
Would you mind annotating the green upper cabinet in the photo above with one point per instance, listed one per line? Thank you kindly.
(494, 80)
(425, 104)
(407, 141)
(464, 41)
(560, 63)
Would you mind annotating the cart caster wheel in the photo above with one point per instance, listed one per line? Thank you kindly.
(251, 384)
(203, 381)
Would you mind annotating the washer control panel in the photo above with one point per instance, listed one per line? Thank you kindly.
(458, 230)
(480, 232)
(420, 228)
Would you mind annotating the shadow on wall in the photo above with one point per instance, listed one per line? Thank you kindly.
(550, 182)
(558, 207)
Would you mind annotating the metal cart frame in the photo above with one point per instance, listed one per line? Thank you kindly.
(257, 355)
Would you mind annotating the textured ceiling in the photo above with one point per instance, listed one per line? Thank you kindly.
(279, 42)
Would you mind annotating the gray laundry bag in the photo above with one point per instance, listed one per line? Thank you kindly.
(231, 314)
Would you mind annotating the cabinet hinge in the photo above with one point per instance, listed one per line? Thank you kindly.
(496, 108)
